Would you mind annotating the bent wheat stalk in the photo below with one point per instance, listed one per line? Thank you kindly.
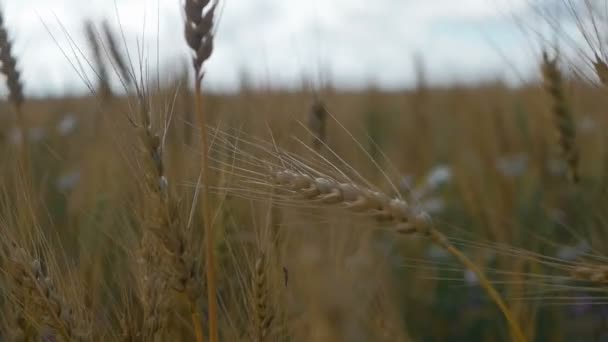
(407, 220)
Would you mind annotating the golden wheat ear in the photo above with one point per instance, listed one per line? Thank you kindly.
(171, 261)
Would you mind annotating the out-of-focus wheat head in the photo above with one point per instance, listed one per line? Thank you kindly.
(564, 122)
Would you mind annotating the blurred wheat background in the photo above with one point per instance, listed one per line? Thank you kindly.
(151, 207)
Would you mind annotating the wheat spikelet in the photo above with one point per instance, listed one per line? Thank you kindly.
(564, 121)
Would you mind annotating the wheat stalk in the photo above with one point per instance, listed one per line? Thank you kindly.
(198, 31)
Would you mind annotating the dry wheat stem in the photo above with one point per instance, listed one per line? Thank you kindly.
(198, 31)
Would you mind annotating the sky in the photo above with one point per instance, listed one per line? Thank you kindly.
(278, 42)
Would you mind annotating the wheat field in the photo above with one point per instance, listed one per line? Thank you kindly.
(161, 211)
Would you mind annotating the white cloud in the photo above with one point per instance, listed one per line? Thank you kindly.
(278, 39)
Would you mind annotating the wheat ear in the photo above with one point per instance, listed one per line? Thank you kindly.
(601, 70)
(317, 123)
(263, 318)
(115, 53)
(176, 252)
(45, 304)
(104, 89)
(564, 122)
(8, 67)
(593, 273)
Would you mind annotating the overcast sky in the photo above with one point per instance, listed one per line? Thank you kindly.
(354, 41)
